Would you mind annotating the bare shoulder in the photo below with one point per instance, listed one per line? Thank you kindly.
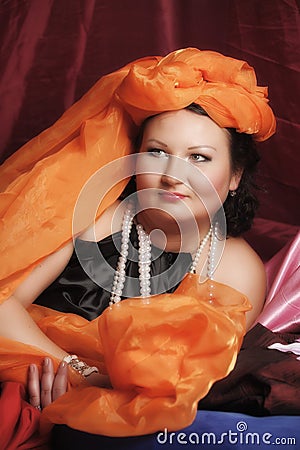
(242, 255)
(108, 223)
(241, 268)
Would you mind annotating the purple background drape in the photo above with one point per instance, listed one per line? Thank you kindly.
(52, 51)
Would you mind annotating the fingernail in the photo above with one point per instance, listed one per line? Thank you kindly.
(63, 364)
(32, 368)
(46, 361)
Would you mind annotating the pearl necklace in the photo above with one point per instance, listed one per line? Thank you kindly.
(144, 260)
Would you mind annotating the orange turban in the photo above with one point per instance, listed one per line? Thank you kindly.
(41, 182)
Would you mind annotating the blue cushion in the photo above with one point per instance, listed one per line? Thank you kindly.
(210, 430)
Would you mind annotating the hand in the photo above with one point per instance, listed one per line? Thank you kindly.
(44, 391)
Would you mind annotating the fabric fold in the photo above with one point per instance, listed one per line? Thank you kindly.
(162, 357)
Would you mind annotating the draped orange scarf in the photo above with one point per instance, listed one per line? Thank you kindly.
(162, 357)
(161, 367)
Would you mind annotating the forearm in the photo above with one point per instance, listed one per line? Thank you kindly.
(17, 324)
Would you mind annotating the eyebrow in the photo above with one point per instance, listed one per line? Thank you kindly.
(157, 142)
(202, 146)
(195, 147)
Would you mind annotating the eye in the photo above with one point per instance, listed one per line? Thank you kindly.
(157, 152)
(197, 157)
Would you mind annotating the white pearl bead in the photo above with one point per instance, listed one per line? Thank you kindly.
(144, 260)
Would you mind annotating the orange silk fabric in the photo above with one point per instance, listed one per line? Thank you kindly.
(41, 182)
(162, 357)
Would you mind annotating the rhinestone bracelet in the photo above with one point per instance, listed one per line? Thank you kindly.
(80, 366)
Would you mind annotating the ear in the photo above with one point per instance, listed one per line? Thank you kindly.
(235, 180)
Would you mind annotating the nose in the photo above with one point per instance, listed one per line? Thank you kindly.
(175, 171)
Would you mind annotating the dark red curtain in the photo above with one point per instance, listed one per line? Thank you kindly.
(52, 51)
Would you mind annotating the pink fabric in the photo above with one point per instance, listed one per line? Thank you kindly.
(281, 312)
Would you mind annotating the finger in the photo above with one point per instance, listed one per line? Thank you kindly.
(60, 381)
(33, 386)
(47, 382)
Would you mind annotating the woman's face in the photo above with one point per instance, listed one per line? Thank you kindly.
(183, 168)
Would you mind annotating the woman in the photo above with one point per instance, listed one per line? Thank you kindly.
(171, 142)
(190, 162)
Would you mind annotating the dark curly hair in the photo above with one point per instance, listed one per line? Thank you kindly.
(239, 209)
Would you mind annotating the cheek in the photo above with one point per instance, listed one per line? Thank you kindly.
(211, 188)
(146, 189)
(146, 181)
(221, 184)
(146, 185)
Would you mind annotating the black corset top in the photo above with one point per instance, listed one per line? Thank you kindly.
(84, 286)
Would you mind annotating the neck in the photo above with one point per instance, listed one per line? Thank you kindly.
(168, 236)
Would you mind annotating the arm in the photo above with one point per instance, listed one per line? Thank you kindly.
(15, 321)
(17, 324)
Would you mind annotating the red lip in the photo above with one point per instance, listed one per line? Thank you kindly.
(172, 196)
